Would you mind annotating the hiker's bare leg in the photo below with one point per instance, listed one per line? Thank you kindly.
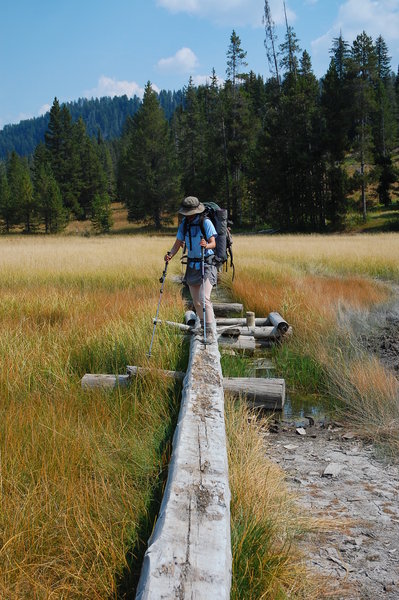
(197, 296)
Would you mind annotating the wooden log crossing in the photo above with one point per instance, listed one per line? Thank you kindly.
(189, 551)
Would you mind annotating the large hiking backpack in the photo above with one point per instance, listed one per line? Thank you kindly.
(224, 240)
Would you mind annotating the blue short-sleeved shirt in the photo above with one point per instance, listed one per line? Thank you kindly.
(196, 235)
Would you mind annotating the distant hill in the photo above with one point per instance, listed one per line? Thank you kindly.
(105, 114)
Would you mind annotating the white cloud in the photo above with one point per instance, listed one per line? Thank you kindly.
(107, 86)
(229, 12)
(184, 61)
(206, 79)
(44, 109)
(375, 17)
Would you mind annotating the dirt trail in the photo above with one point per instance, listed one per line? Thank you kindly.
(363, 560)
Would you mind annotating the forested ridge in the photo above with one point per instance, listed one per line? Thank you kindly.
(291, 152)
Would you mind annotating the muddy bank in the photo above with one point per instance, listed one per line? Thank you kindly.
(378, 331)
(335, 475)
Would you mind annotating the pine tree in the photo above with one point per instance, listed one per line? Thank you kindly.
(7, 206)
(363, 72)
(47, 193)
(384, 122)
(101, 213)
(150, 181)
(190, 136)
(235, 60)
(28, 205)
(14, 170)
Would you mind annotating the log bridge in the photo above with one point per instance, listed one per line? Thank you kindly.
(189, 551)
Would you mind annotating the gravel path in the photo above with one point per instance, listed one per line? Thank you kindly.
(365, 558)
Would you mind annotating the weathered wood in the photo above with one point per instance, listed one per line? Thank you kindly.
(262, 390)
(250, 317)
(245, 342)
(277, 320)
(180, 326)
(224, 321)
(222, 309)
(190, 318)
(268, 392)
(256, 332)
(189, 551)
(238, 343)
(91, 381)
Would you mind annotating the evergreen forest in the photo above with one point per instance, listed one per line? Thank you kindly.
(291, 153)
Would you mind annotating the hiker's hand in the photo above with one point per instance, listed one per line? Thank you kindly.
(167, 257)
(203, 243)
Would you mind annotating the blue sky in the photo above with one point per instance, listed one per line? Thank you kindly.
(93, 48)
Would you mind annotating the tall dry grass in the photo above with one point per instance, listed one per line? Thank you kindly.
(79, 472)
(312, 281)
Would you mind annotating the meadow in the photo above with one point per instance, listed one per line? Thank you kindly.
(81, 474)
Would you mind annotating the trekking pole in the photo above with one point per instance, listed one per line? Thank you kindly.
(162, 281)
(203, 289)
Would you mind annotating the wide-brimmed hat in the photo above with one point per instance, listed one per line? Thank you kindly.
(191, 206)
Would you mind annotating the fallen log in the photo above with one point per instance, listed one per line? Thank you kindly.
(270, 393)
(259, 321)
(91, 381)
(225, 308)
(277, 320)
(245, 342)
(180, 326)
(256, 332)
(190, 318)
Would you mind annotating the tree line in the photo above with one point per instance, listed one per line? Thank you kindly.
(286, 152)
(105, 114)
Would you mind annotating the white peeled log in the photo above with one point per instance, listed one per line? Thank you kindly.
(256, 332)
(223, 321)
(277, 320)
(180, 326)
(189, 551)
(222, 309)
(190, 318)
(245, 342)
(267, 392)
(92, 381)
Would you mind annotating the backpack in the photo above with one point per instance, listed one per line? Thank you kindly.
(224, 240)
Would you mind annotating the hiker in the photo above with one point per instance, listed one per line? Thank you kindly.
(190, 233)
